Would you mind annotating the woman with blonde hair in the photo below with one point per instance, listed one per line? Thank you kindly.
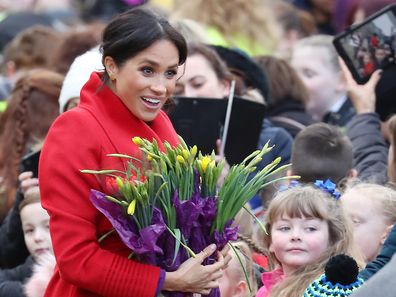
(248, 25)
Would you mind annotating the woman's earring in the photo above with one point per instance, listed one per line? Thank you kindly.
(111, 76)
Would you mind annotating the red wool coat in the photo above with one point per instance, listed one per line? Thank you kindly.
(80, 139)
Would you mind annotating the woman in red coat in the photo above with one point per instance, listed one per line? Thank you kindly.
(141, 55)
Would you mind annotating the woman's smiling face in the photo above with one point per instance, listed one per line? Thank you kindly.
(145, 81)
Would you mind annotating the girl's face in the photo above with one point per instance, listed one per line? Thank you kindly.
(35, 225)
(298, 241)
(146, 81)
(200, 80)
(370, 227)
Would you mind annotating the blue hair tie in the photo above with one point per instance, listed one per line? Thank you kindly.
(326, 186)
(329, 187)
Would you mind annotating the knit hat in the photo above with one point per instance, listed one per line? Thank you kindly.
(340, 279)
(78, 74)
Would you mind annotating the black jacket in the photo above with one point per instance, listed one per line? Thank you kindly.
(370, 151)
(290, 115)
(12, 280)
(13, 250)
(342, 116)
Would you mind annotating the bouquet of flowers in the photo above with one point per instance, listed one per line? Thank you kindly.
(168, 206)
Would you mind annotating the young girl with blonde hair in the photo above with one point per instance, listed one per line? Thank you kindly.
(306, 226)
(372, 209)
(238, 278)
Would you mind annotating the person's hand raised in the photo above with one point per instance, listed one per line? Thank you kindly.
(27, 181)
(362, 96)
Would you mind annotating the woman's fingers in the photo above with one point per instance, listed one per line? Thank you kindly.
(206, 252)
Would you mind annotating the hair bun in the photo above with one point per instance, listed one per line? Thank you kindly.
(341, 269)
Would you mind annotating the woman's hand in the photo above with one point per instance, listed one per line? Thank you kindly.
(194, 277)
(27, 181)
(362, 96)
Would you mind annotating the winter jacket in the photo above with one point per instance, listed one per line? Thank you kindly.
(11, 280)
(81, 139)
(370, 151)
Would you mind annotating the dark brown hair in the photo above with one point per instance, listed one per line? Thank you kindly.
(76, 43)
(33, 48)
(284, 81)
(321, 151)
(134, 31)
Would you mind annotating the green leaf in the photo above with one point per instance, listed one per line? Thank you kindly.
(177, 243)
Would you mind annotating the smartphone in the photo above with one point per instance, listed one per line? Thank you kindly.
(30, 163)
(369, 45)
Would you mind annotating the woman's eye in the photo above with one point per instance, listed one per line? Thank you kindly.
(284, 228)
(147, 70)
(170, 73)
(198, 85)
(310, 229)
(28, 231)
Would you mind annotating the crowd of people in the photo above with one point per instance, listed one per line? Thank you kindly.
(80, 79)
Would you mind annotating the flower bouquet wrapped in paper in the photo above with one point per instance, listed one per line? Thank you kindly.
(168, 206)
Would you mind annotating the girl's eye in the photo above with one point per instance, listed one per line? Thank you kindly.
(310, 229)
(170, 73)
(356, 221)
(284, 228)
(28, 231)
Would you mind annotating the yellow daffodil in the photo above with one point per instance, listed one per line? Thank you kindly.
(180, 159)
(205, 162)
(137, 140)
(131, 207)
(186, 154)
(194, 151)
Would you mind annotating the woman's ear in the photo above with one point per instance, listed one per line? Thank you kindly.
(111, 66)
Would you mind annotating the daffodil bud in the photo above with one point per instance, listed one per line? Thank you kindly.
(194, 151)
(180, 159)
(131, 207)
(119, 182)
(137, 140)
(186, 154)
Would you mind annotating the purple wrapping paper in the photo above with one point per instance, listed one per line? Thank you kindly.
(155, 245)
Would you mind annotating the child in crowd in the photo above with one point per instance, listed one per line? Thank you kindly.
(329, 152)
(306, 226)
(35, 224)
(372, 209)
(238, 278)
